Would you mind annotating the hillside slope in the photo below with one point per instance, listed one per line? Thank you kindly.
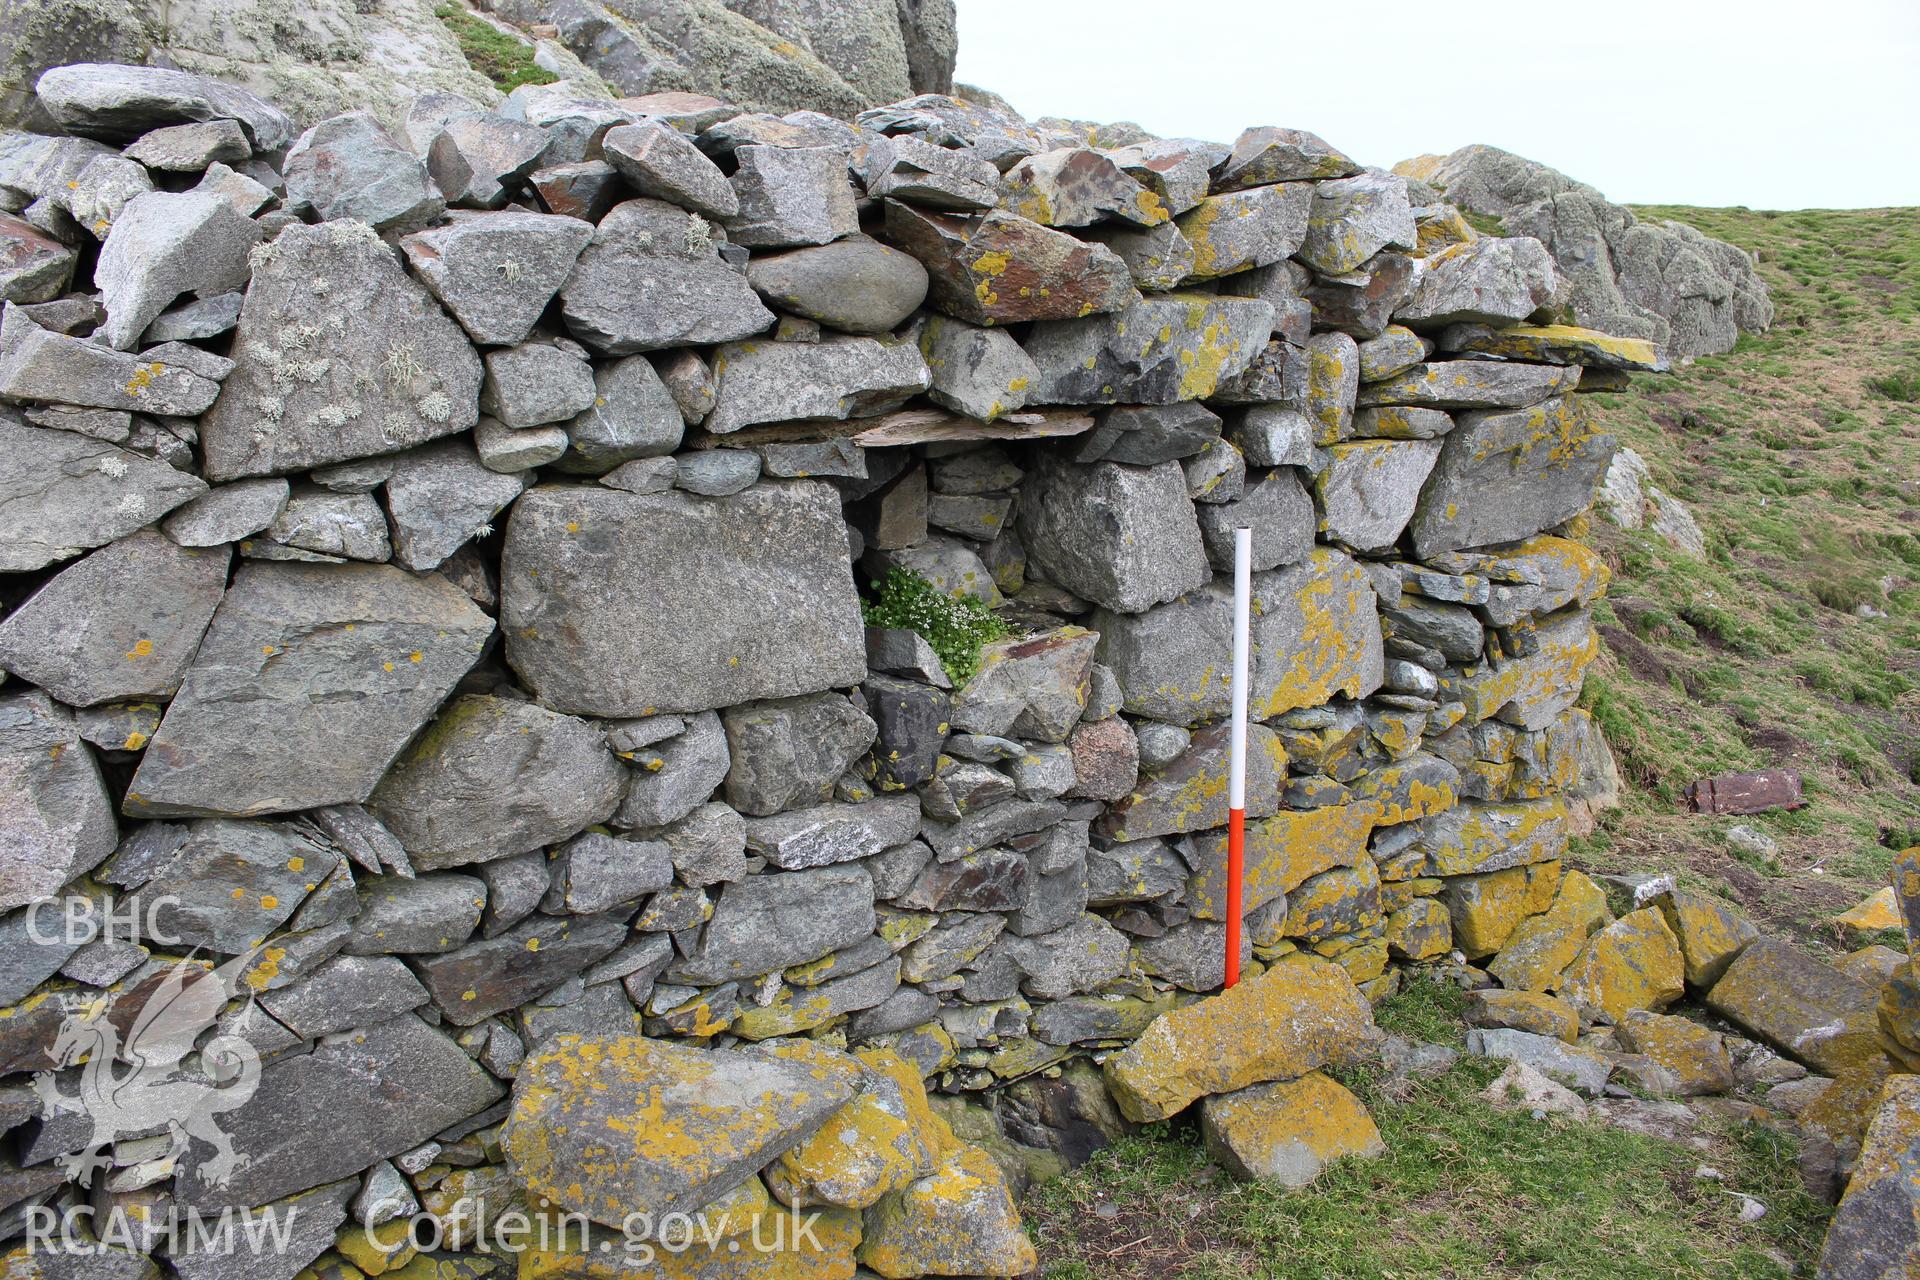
(1797, 641)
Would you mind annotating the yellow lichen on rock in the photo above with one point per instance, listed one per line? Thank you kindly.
(1282, 853)
(1878, 1221)
(1487, 908)
(1300, 1015)
(1289, 1131)
(885, 1138)
(1539, 949)
(1693, 1058)
(1541, 1014)
(1881, 911)
(1421, 930)
(958, 1221)
(1633, 963)
(1711, 933)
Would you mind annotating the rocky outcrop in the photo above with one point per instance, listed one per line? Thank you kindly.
(1690, 294)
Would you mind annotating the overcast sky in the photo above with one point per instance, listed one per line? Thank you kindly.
(1773, 104)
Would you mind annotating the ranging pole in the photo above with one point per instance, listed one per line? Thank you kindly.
(1237, 776)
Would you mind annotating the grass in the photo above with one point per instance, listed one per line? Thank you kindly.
(1466, 1191)
(492, 52)
(1796, 643)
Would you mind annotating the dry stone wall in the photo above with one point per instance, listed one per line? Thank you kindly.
(432, 568)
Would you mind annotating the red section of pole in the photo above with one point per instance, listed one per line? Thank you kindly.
(1236, 859)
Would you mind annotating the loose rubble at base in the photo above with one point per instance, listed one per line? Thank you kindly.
(432, 563)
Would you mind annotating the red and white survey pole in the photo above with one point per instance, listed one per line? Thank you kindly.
(1237, 775)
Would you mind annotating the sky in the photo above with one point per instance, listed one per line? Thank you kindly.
(1772, 104)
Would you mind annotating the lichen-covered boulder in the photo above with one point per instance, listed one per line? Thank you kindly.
(1633, 963)
(595, 619)
(1288, 1131)
(59, 818)
(1504, 476)
(1488, 906)
(1316, 633)
(1540, 948)
(1124, 537)
(1282, 853)
(885, 1138)
(1226, 1042)
(959, 1220)
(1190, 794)
(62, 493)
(1160, 350)
(1529, 1011)
(999, 268)
(1692, 1058)
(1808, 1010)
(1710, 931)
(609, 1126)
(1875, 1234)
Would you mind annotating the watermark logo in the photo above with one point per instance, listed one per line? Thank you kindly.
(133, 1082)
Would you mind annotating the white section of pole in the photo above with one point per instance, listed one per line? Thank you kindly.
(1242, 643)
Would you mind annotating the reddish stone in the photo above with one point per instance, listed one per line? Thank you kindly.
(1746, 792)
(998, 268)
(1106, 759)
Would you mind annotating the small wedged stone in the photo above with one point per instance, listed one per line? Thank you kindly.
(912, 169)
(442, 495)
(831, 833)
(1033, 686)
(496, 272)
(34, 266)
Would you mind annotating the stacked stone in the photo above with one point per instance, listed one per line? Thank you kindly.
(431, 564)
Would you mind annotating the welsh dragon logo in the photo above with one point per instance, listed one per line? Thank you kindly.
(155, 1092)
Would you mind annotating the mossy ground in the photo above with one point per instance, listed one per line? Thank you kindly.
(492, 52)
(1466, 1191)
(1799, 454)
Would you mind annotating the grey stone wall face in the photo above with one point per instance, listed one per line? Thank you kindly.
(431, 579)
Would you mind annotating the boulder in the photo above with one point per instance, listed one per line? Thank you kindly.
(1490, 280)
(855, 285)
(958, 1220)
(1554, 344)
(837, 378)
(39, 365)
(884, 1139)
(1633, 963)
(1121, 536)
(1354, 218)
(1076, 187)
(518, 965)
(1267, 153)
(34, 266)
(120, 103)
(401, 373)
(1369, 488)
(1540, 948)
(59, 818)
(1506, 475)
(1711, 933)
(659, 161)
(791, 752)
(350, 167)
(1224, 1043)
(791, 196)
(1288, 1131)
(1692, 1057)
(1805, 1009)
(1033, 686)
(122, 624)
(439, 497)
(594, 618)
(916, 171)
(1529, 1011)
(375, 1093)
(1283, 851)
(1243, 229)
(1159, 350)
(832, 833)
(653, 278)
(1576, 1066)
(1874, 1235)
(228, 512)
(775, 921)
(287, 708)
(1469, 384)
(1488, 906)
(982, 373)
(163, 245)
(492, 777)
